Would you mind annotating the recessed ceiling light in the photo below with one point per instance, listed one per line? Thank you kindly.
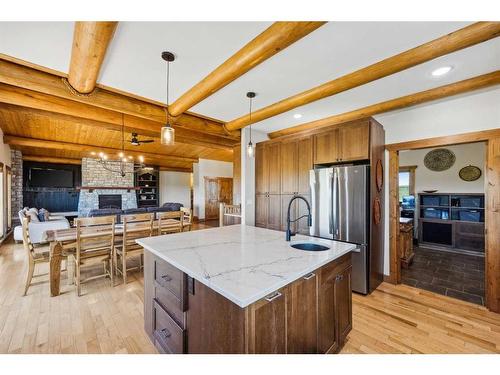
(297, 115)
(441, 71)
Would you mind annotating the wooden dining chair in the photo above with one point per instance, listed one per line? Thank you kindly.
(95, 238)
(134, 226)
(170, 222)
(187, 218)
(34, 257)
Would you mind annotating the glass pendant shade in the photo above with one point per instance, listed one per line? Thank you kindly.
(167, 135)
(250, 150)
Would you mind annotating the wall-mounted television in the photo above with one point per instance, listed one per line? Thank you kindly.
(50, 177)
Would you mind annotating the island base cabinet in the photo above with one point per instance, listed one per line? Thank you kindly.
(313, 314)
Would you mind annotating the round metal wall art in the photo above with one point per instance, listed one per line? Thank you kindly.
(470, 173)
(439, 160)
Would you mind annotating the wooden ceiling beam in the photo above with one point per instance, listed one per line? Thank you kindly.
(96, 116)
(440, 92)
(274, 39)
(49, 159)
(90, 43)
(142, 127)
(455, 41)
(172, 169)
(76, 147)
(18, 75)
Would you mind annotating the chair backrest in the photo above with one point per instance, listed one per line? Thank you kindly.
(28, 245)
(137, 226)
(229, 214)
(170, 222)
(187, 218)
(94, 233)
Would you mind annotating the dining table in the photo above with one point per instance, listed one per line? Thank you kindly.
(63, 245)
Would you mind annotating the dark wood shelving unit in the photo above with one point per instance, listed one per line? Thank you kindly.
(147, 182)
(452, 221)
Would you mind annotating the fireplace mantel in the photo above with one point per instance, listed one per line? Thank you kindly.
(92, 188)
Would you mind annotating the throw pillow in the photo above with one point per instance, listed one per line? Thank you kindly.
(41, 216)
(33, 216)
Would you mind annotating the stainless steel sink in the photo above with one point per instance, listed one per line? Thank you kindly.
(309, 246)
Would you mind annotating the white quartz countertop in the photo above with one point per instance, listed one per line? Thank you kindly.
(242, 263)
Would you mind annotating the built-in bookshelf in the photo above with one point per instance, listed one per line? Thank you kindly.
(452, 221)
(147, 182)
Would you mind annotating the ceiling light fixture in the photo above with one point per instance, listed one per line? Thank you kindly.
(441, 71)
(297, 115)
(167, 132)
(250, 146)
(120, 165)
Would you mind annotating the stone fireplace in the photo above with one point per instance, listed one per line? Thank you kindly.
(95, 175)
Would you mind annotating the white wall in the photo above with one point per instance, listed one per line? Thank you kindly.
(456, 115)
(447, 181)
(207, 168)
(248, 176)
(175, 187)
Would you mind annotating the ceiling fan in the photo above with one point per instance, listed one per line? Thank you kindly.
(134, 141)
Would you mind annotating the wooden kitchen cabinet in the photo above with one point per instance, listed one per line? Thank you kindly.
(354, 142)
(310, 315)
(326, 149)
(302, 320)
(296, 162)
(268, 211)
(267, 334)
(334, 305)
(344, 144)
(268, 168)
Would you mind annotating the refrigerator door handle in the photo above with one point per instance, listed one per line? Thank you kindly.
(330, 202)
(337, 204)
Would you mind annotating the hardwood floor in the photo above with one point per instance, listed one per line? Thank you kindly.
(393, 319)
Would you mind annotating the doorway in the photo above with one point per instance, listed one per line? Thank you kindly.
(491, 268)
(217, 190)
(442, 236)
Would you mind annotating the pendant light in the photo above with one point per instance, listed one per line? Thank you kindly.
(167, 131)
(250, 146)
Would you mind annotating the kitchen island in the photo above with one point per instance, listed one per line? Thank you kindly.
(243, 289)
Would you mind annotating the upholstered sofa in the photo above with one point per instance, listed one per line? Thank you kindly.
(37, 229)
(167, 207)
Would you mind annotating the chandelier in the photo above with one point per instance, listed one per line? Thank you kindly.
(122, 163)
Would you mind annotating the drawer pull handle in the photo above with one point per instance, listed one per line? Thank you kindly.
(339, 278)
(273, 296)
(310, 276)
(167, 278)
(163, 334)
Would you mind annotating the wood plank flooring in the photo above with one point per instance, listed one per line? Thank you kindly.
(393, 319)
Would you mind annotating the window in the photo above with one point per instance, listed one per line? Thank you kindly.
(2, 203)
(406, 181)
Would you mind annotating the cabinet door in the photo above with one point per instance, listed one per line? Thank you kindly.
(326, 147)
(343, 303)
(285, 199)
(272, 158)
(289, 167)
(327, 322)
(302, 316)
(304, 164)
(302, 226)
(267, 327)
(354, 141)
(261, 206)
(274, 212)
(261, 182)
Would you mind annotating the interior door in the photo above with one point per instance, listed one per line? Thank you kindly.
(211, 198)
(225, 192)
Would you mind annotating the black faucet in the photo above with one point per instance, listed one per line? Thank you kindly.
(289, 233)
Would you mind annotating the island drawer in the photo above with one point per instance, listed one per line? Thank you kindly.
(168, 336)
(173, 305)
(171, 279)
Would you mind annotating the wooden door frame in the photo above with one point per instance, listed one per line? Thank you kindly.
(492, 207)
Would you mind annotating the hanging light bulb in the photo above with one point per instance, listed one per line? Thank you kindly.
(167, 132)
(250, 146)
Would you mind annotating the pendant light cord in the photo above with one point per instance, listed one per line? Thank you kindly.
(250, 119)
(168, 84)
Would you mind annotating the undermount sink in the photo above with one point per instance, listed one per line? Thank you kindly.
(309, 246)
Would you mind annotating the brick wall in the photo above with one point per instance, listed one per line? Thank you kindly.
(94, 174)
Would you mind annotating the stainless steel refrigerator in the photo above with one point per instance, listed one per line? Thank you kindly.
(340, 211)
